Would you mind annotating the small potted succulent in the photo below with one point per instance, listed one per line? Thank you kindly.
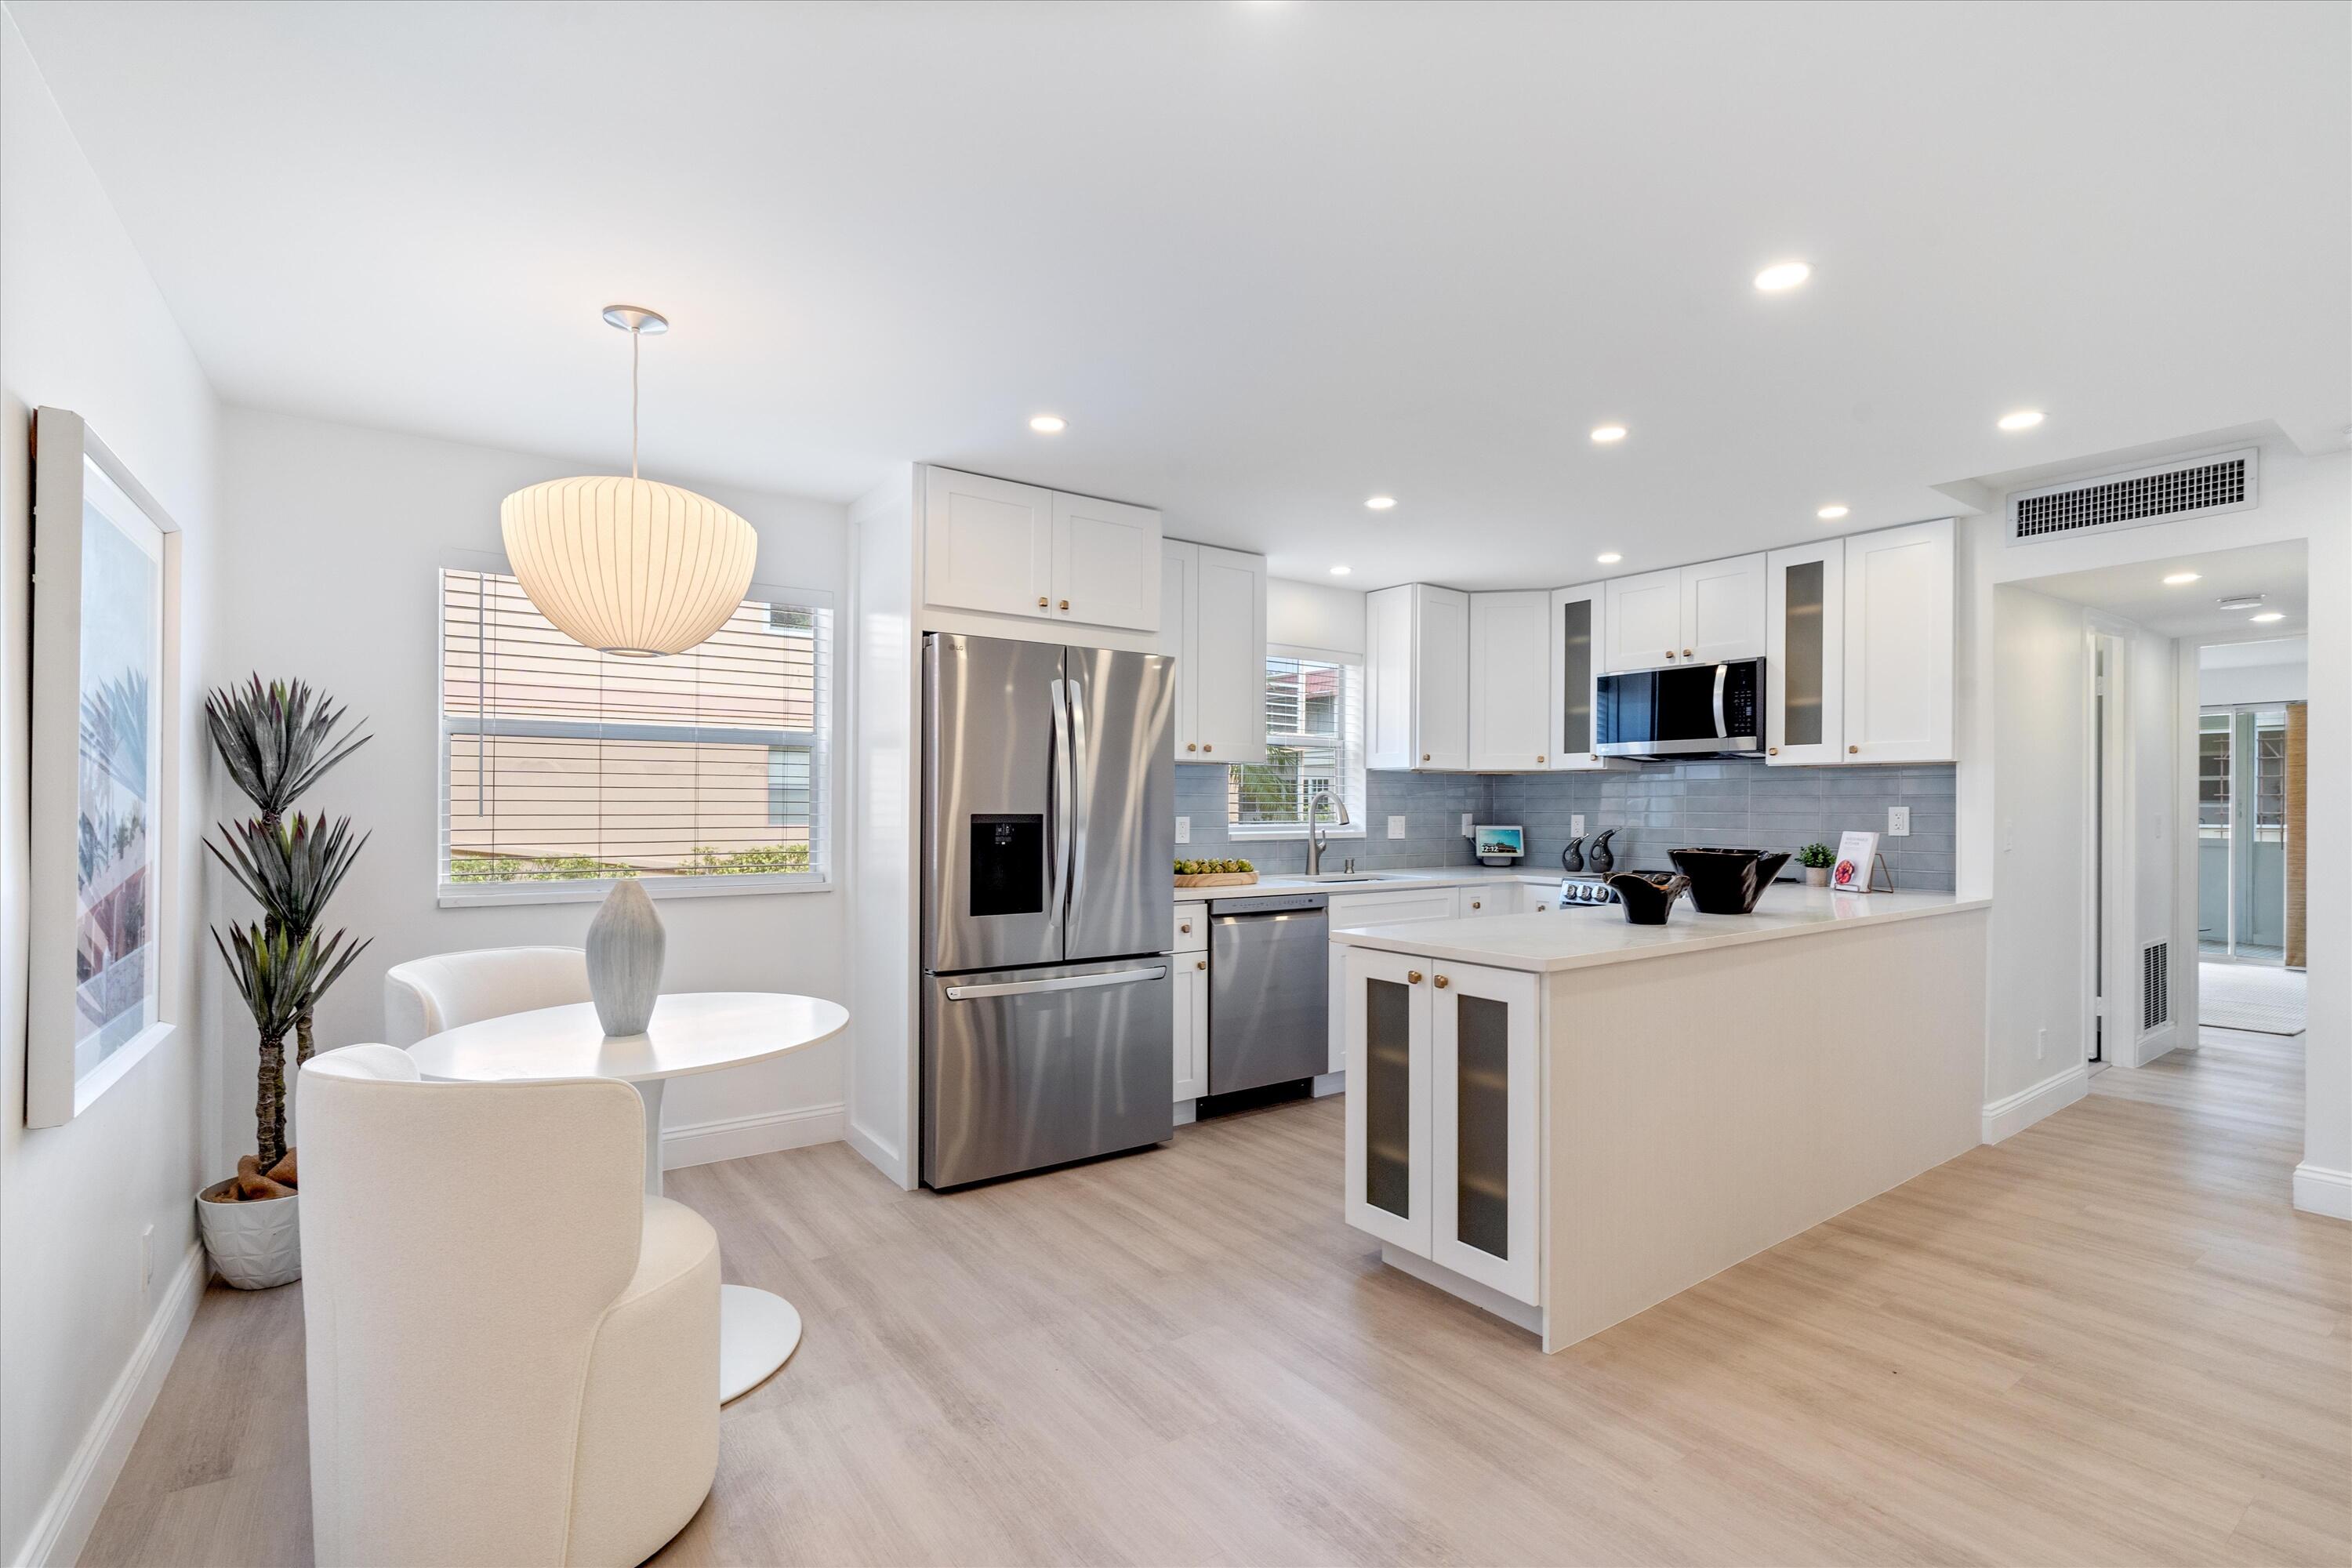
(1816, 858)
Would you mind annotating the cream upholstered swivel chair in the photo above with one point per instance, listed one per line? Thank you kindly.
(427, 995)
(512, 1350)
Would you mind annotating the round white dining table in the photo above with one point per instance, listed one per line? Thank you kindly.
(693, 1032)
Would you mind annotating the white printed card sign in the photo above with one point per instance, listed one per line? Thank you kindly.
(1856, 852)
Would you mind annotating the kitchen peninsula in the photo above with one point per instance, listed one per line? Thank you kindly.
(1565, 1119)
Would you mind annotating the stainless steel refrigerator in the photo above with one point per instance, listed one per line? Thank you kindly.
(1048, 906)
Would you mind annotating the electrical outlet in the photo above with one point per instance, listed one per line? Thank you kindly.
(146, 1260)
(1184, 830)
(1396, 827)
(1468, 831)
(1576, 825)
(1898, 822)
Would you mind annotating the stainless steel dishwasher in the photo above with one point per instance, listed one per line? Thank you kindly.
(1269, 991)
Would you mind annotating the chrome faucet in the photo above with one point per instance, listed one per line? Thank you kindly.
(1316, 839)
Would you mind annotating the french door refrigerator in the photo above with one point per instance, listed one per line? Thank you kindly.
(1048, 906)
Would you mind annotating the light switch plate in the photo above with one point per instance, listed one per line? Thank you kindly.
(1576, 825)
(1396, 827)
(1184, 830)
(1898, 822)
(1467, 829)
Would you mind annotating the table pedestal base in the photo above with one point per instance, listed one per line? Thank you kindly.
(758, 1331)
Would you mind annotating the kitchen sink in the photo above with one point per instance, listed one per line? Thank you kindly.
(1351, 877)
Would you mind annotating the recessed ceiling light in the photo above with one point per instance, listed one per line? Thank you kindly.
(1609, 558)
(2023, 419)
(1831, 513)
(1382, 503)
(2267, 616)
(1782, 274)
(2174, 579)
(1048, 424)
(1605, 433)
(1341, 571)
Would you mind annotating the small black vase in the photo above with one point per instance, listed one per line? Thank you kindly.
(1603, 859)
(1647, 895)
(1571, 860)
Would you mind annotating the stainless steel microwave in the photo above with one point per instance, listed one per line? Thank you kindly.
(1688, 710)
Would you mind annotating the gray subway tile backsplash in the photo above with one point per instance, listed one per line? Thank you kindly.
(1658, 807)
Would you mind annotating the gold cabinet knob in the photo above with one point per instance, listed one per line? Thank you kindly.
(1065, 603)
(1208, 748)
(1540, 756)
(1686, 653)
(1854, 751)
(1594, 756)
(1772, 751)
(1424, 756)
(1413, 977)
(1186, 928)
(1476, 905)
(1439, 983)
(1670, 653)
(1192, 745)
(1041, 601)
(1199, 964)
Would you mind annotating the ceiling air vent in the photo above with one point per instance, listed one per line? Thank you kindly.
(2155, 986)
(2199, 487)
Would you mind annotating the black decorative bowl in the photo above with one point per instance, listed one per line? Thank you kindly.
(1728, 881)
(1647, 895)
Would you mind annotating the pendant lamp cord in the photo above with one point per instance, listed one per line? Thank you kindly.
(634, 334)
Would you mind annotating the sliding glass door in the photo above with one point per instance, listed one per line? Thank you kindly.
(2242, 831)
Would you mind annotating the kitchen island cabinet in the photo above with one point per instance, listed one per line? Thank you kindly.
(1565, 1119)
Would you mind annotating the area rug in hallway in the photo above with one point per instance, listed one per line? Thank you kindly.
(2254, 996)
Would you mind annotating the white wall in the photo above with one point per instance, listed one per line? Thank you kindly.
(2254, 683)
(1314, 614)
(2155, 825)
(2323, 1183)
(327, 573)
(2034, 1006)
(83, 328)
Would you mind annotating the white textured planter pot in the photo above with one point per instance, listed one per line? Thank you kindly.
(253, 1245)
(1817, 876)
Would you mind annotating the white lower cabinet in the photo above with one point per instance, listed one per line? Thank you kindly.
(1372, 910)
(1444, 1090)
(1192, 1031)
(1494, 898)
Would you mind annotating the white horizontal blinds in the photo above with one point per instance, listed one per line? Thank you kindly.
(566, 764)
(1313, 725)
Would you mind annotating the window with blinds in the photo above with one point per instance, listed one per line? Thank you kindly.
(561, 764)
(1314, 742)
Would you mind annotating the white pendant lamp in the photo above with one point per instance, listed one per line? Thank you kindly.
(628, 566)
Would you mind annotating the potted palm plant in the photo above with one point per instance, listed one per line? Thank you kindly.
(1816, 860)
(276, 741)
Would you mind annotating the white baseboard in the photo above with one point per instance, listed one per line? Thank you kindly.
(63, 1529)
(734, 1137)
(2318, 1190)
(2008, 1116)
(1511, 1309)
(882, 1155)
(1188, 1111)
(2154, 1043)
(1330, 1083)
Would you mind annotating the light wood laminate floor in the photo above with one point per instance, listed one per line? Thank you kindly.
(2109, 1339)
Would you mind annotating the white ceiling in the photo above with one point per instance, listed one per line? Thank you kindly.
(1267, 258)
(2137, 592)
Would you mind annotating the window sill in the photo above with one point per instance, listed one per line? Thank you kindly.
(1239, 833)
(469, 895)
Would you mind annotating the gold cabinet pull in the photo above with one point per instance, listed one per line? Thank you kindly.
(1476, 905)
(1772, 751)
(1854, 751)
(1594, 756)
(1192, 745)
(1439, 983)
(1686, 653)
(1199, 964)
(1413, 977)
(1539, 757)
(1424, 756)
(1041, 601)
(1186, 928)
(1065, 603)
(1208, 748)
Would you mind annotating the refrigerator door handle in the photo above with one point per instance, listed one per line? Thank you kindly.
(1073, 694)
(1066, 982)
(1064, 829)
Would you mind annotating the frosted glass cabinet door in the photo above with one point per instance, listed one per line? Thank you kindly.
(1576, 658)
(1805, 662)
(1387, 1010)
(1483, 1102)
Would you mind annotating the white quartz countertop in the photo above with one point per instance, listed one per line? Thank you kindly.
(1386, 882)
(1576, 938)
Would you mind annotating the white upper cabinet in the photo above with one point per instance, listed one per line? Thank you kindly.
(1213, 622)
(1804, 655)
(1509, 684)
(988, 544)
(1106, 564)
(1723, 610)
(1898, 645)
(1695, 614)
(1003, 548)
(1578, 622)
(1417, 678)
(1644, 621)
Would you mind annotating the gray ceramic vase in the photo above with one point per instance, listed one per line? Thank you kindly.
(626, 944)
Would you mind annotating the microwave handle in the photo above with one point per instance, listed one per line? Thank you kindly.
(1721, 731)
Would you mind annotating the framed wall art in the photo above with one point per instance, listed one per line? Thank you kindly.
(104, 857)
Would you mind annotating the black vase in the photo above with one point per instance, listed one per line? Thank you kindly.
(1571, 860)
(1647, 895)
(1603, 859)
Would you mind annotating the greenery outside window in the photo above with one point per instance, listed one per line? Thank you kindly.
(1314, 742)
